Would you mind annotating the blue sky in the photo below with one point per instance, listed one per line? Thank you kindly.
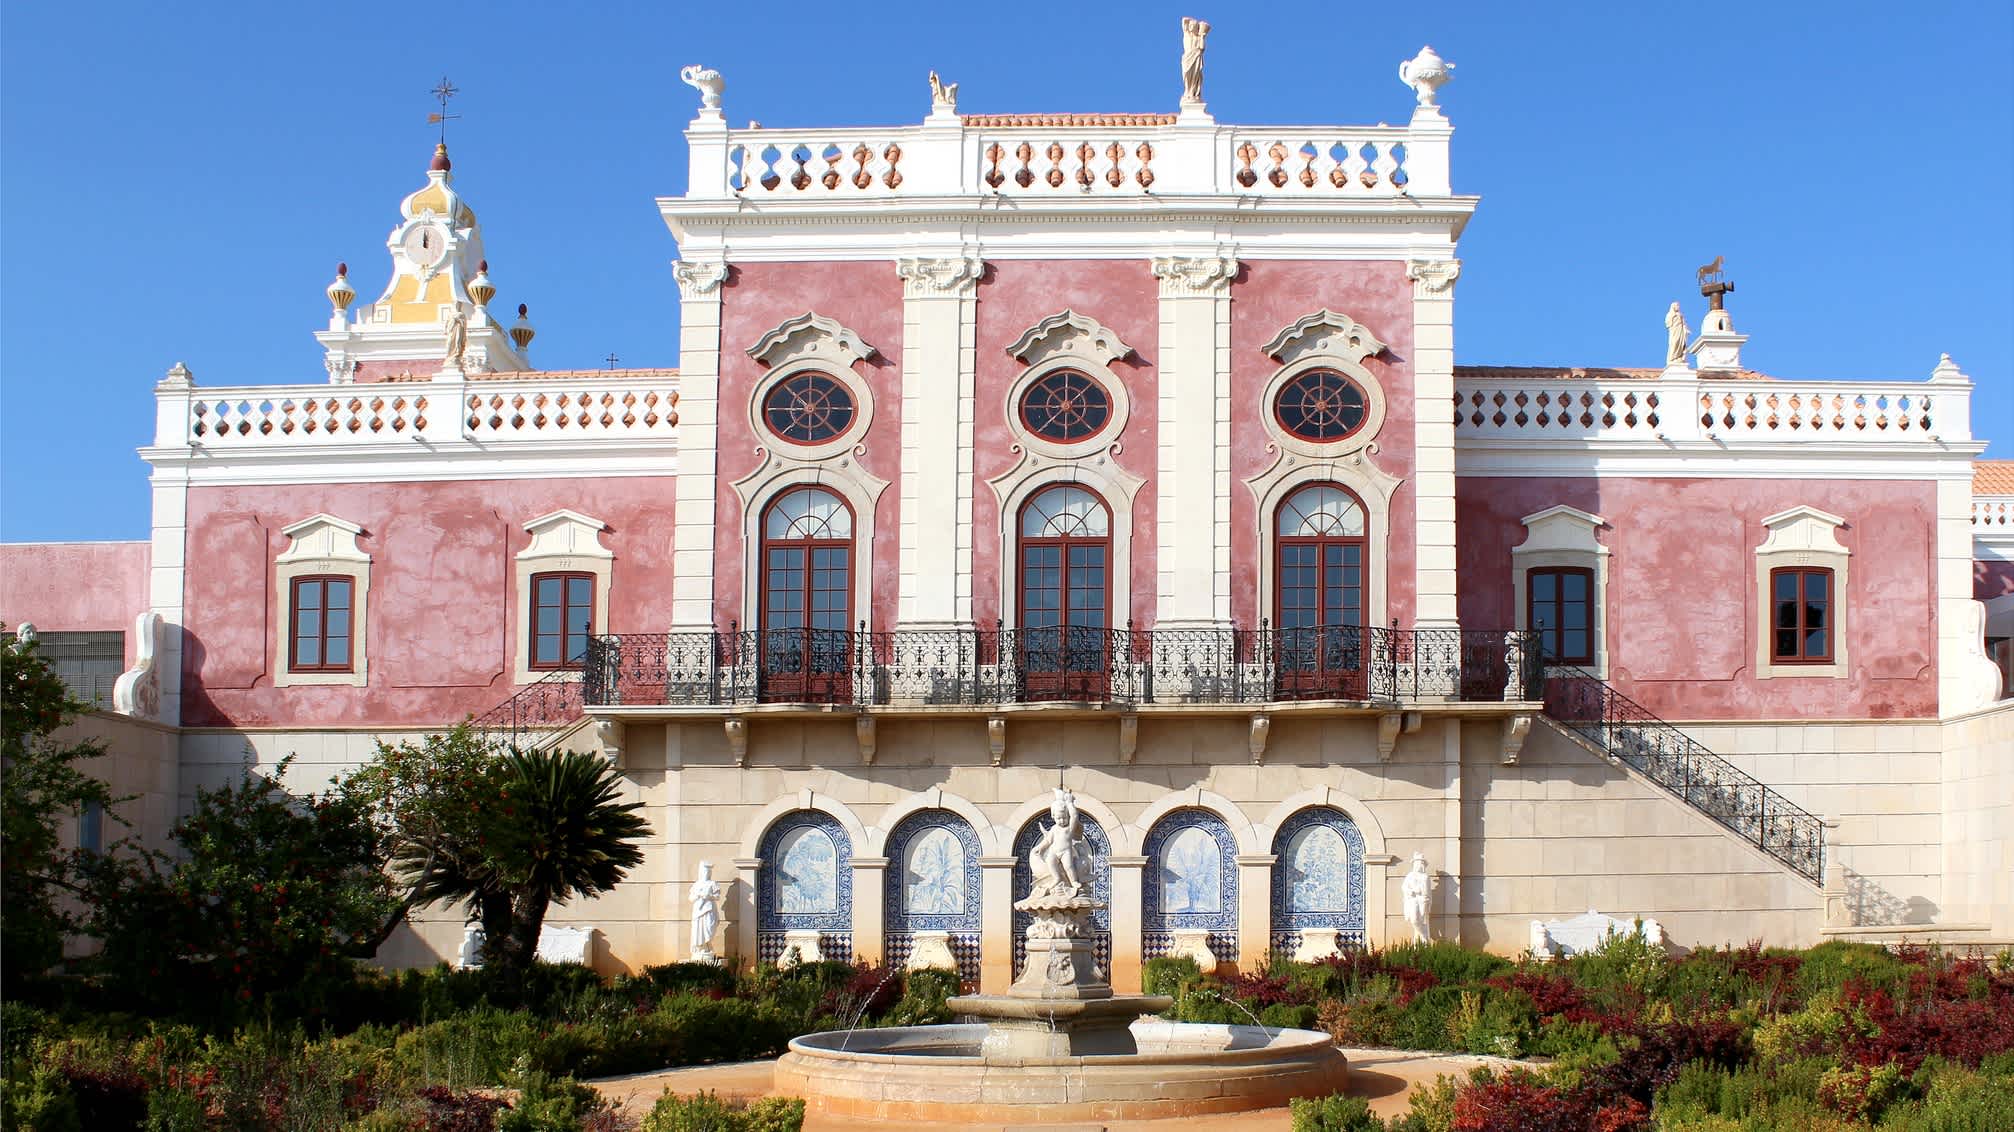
(177, 182)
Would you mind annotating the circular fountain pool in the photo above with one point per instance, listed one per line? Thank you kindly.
(942, 1074)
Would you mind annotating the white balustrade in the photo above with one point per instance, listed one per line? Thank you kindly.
(1134, 155)
(1629, 407)
(1993, 514)
(487, 412)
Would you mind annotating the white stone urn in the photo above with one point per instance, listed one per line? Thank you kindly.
(1426, 73)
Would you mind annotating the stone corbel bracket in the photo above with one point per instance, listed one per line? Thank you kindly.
(608, 735)
(138, 690)
(1391, 725)
(737, 739)
(1129, 738)
(1516, 728)
(1262, 730)
(863, 733)
(996, 738)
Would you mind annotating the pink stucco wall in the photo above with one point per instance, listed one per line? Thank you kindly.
(1682, 603)
(1269, 296)
(1013, 296)
(867, 299)
(80, 587)
(442, 619)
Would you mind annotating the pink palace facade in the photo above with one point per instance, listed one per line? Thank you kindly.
(1126, 452)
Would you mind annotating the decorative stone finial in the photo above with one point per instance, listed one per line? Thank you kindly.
(480, 288)
(1426, 73)
(1948, 371)
(440, 163)
(707, 81)
(943, 96)
(178, 377)
(522, 333)
(340, 292)
(1194, 32)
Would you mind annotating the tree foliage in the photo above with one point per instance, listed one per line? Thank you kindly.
(270, 894)
(41, 783)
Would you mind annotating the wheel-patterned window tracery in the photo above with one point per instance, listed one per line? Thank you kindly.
(1065, 406)
(808, 408)
(1320, 405)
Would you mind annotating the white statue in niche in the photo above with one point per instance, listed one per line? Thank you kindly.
(1417, 890)
(1675, 334)
(1060, 861)
(704, 896)
(474, 939)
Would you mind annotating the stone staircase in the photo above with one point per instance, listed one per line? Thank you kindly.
(1590, 710)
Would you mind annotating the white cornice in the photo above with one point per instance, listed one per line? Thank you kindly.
(1559, 459)
(384, 463)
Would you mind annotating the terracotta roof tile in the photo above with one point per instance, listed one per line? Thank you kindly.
(1993, 477)
(1022, 121)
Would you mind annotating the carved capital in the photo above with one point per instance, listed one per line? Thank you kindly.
(952, 276)
(698, 278)
(1194, 275)
(1433, 277)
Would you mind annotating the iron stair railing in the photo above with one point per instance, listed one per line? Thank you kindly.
(537, 716)
(1587, 706)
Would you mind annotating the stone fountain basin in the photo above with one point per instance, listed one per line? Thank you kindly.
(936, 1073)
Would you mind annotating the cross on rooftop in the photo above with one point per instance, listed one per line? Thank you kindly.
(611, 359)
(443, 92)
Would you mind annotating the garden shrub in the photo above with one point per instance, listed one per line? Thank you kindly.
(923, 998)
(1288, 1016)
(1523, 1102)
(1446, 962)
(1169, 975)
(1430, 1108)
(1829, 966)
(1861, 1092)
(695, 978)
(705, 1112)
(1337, 1112)
(549, 1104)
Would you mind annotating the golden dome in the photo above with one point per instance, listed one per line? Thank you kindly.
(439, 196)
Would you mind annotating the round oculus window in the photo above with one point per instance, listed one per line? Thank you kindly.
(1321, 405)
(1065, 406)
(810, 408)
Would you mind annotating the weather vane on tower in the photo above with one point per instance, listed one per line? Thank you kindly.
(443, 92)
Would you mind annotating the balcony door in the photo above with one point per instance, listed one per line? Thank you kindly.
(1321, 554)
(1065, 556)
(804, 645)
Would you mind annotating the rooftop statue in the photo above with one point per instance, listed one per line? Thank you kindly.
(943, 95)
(1675, 335)
(1194, 32)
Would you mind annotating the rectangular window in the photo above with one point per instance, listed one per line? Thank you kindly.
(562, 618)
(91, 828)
(1560, 607)
(1800, 602)
(321, 619)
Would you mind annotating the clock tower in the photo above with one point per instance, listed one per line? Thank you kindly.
(433, 317)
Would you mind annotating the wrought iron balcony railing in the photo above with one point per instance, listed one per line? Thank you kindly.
(986, 667)
(1612, 722)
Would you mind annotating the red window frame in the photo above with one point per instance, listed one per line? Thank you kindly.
(566, 609)
(1800, 622)
(837, 400)
(1348, 385)
(1056, 663)
(1323, 660)
(321, 636)
(814, 671)
(1558, 627)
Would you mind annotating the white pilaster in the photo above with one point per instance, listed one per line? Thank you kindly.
(693, 518)
(1434, 439)
(1193, 552)
(939, 357)
(167, 556)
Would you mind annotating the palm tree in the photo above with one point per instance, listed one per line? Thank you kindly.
(555, 830)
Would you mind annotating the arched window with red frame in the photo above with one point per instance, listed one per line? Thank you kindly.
(807, 598)
(1321, 564)
(1064, 562)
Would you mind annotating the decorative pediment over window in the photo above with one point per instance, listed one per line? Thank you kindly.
(1561, 528)
(322, 538)
(1326, 333)
(1802, 529)
(810, 335)
(1068, 333)
(566, 534)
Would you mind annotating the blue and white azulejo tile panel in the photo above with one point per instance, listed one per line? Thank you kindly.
(806, 878)
(1318, 878)
(1191, 878)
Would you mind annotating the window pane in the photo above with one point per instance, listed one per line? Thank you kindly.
(1786, 585)
(1574, 643)
(548, 620)
(310, 595)
(339, 651)
(1573, 587)
(546, 590)
(580, 591)
(545, 649)
(1543, 586)
(1815, 644)
(339, 622)
(1786, 644)
(308, 623)
(308, 651)
(1786, 614)
(1817, 584)
(338, 594)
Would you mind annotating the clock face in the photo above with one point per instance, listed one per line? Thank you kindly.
(425, 244)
